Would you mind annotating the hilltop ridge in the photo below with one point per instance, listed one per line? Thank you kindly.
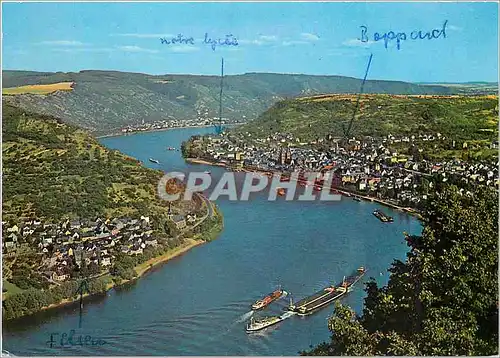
(104, 102)
(313, 117)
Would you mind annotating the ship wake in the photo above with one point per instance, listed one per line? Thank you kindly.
(245, 317)
(288, 314)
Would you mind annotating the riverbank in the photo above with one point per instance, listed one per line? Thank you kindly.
(205, 162)
(118, 134)
(342, 191)
(409, 211)
(140, 269)
(178, 251)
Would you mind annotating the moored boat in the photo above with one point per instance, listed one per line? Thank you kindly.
(273, 296)
(261, 323)
(356, 198)
(154, 161)
(383, 217)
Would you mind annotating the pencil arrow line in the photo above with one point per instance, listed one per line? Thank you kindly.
(346, 133)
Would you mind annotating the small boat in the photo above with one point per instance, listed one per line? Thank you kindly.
(273, 296)
(154, 161)
(171, 148)
(281, 191)
(356, 198)
(382, 217)
(258, 324)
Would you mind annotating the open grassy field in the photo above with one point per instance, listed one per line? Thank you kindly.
(10, 287)
(39, 89)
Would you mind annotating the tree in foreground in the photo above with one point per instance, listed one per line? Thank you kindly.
(444, 299)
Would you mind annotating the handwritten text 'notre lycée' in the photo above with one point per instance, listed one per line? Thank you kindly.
(180, 39)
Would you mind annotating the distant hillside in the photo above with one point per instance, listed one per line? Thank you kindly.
(472, 88)
(457, 117)
(53, 170)
(105, 101)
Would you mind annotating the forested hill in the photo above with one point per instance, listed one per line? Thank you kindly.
(52, 171)
(105, 101)
(309, 118)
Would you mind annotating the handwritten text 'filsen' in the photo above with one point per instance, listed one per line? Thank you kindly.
(180, 39)
(71, 340)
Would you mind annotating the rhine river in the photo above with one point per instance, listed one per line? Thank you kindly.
(198, 303)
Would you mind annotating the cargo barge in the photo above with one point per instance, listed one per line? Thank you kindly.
(326, 295)
(273, 296)
(382, 217)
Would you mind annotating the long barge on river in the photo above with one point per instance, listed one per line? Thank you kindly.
(326, 295)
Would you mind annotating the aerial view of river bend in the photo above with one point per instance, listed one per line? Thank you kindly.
(199, 303)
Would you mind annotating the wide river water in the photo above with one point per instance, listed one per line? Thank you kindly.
(198, 303)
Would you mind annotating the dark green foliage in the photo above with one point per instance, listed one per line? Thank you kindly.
(32, 300)
(25, 276)
(444, 299)
(211, 227)
(123, 267)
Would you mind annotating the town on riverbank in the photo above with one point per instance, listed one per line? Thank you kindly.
(46, 261)
(103, 252)
(199, 122)
(390, 170)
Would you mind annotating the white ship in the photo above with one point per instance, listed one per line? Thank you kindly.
(258, 324)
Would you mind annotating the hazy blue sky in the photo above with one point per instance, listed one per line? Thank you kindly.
(311, 38)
